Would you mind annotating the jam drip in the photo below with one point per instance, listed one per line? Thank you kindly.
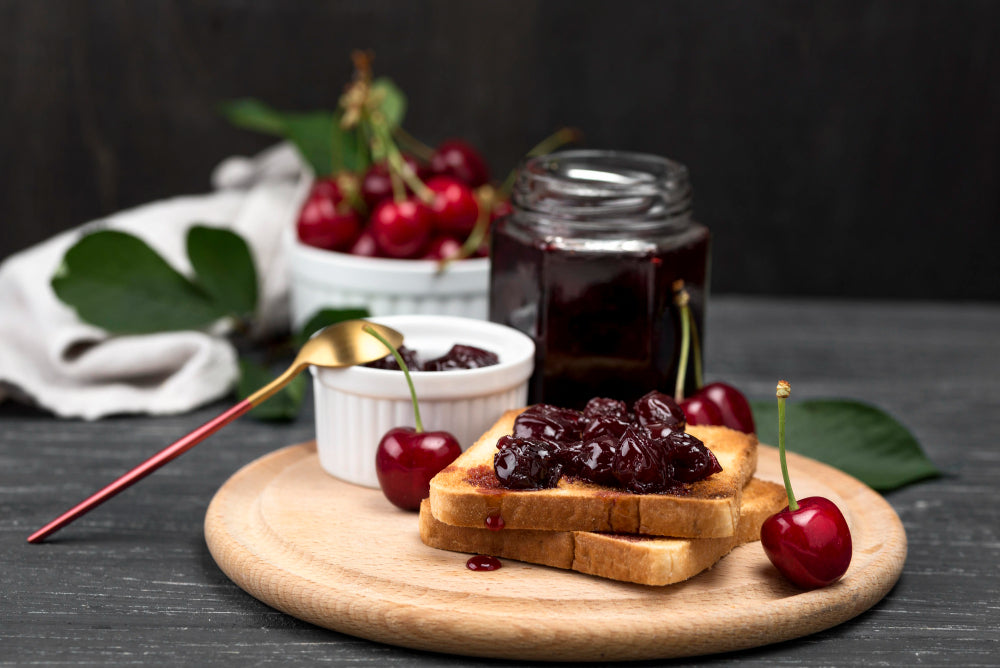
(494, 522)
(482, 562)
(643, 451)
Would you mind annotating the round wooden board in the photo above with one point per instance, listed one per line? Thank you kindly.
(340, 556)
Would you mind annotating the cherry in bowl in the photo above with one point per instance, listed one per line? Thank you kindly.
(459, 159)
(326, 221)
(453, 205)
(401, 229)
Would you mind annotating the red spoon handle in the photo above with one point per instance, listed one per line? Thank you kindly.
(169, 453)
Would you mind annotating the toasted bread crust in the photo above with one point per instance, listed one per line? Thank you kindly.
(467, 492)
(643, 559)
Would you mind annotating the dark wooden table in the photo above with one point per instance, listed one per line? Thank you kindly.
(133, 583)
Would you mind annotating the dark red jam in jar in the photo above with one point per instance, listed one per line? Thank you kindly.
(586, 265)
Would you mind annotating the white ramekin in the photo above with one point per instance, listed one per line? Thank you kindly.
(326, 279)
(357, 405)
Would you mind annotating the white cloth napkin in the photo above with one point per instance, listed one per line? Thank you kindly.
(50, 357)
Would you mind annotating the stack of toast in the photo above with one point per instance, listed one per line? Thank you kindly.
(652, 539)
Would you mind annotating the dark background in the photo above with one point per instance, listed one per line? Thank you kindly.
(836, 148)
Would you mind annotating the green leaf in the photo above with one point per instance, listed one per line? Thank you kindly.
(856, 438)
(283, 405)
(350, 149)
(115, 281)
(224, 267)
(325, 318)
(393, 105)
(251, 114)
(315, 135)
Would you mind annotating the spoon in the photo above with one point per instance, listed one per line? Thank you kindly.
(343, 344)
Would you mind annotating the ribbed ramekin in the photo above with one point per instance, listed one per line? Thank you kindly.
(357, 405)
(327, 279)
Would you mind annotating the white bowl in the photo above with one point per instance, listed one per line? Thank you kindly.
(327, 279)
(357, 405)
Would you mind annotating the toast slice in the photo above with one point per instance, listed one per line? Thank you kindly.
(465, 493)
(649, 560)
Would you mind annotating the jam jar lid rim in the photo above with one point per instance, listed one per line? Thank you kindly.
(664, 175)
(668, 221)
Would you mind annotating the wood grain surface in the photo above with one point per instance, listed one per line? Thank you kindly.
(133, 583)
(342, 557)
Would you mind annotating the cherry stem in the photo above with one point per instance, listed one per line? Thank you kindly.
(406, 372)
(560, 137)
(411, 179)
(399, 171)
(783, 392)
(681, 298)
(387, 150)
(413, 145)
(349, 187)
(397, 165)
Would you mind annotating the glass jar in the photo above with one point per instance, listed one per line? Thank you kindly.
(587, 266)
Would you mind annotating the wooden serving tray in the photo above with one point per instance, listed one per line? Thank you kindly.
(340, 556)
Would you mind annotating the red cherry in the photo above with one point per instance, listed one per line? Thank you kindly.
(733, 407)
(376, 185)
(809, 541)
(327, 186)
(454, 206)
(365, 245)
(401, 229)
(407, 457)
(406, 460)
(811, 546)
(326, 222)
(442, 248)
(700, 411)
(460, 160)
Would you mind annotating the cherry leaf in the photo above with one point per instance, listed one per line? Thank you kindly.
(251, 114)
(115, 281)
(224, 268)
(316, 135)
(350, 150)
(393, 105)
(855, 437)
